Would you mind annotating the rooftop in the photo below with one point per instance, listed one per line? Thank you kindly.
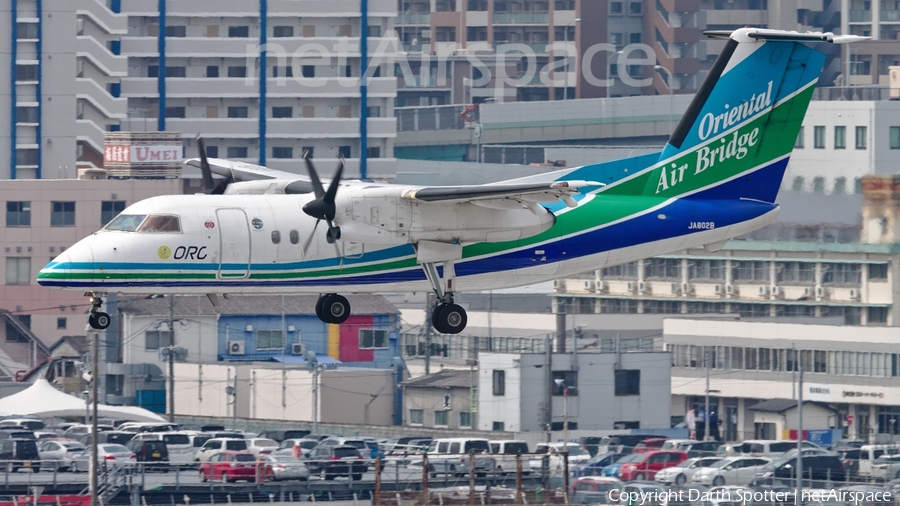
(445, 378)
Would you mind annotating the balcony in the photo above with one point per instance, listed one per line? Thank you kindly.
(113, 108)
(100, 15)
(889, 16)
(737, 17)
(510, 47)
(421, 82)
(521, 18)
(202, 87)
(110, 64)
(864, 16)
(294, 128)
(240, 8)
(413, 19)
(216, 47)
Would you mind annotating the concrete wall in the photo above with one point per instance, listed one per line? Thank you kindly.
(430, 400)
(506, 408)
(346, 392)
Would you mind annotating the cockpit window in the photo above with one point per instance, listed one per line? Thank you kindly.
(126, 222)
(160, 224)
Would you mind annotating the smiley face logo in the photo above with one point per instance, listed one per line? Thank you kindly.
(164, 252)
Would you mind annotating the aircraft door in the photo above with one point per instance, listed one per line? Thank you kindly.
(234, 244)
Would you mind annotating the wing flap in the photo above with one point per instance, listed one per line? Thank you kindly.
(242, 171)
(532, 192)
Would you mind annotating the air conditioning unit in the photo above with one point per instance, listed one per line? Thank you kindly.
(629, 287)
(675, 288)
(298, 349)
(776, 291)
(559, 284)
(807, 292)
(764, 291)
(589, 286)
(718, 289)
(854, 293)
(730, 290)
(236, 347)
(820, 292)
(601, 287)
(643, 287)
(686, 288)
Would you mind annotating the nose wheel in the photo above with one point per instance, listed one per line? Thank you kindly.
(449, 318)
(98, 319)
(333, 308)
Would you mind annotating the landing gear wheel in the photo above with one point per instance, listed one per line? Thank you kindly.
(319, 307)
(333, 234)
(449, 318)
(99, 320)
(335, 308)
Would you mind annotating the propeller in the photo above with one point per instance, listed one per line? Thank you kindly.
(210, 187)
(323, 206)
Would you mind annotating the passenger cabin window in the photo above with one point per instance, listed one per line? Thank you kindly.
(126, 222)
(160, 224)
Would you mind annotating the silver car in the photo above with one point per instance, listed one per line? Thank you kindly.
(59, 454)
(283, 467)
(108, 456)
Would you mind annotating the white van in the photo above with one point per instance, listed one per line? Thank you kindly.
(868, 454)
(769, 447)
(453, 456)
(181, 449)
(505, 452)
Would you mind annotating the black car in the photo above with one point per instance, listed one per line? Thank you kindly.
(16, 434)
(591, 444)
(819, 469)
(331, 461)
(283, 434)
(20, 454)
(154, 455)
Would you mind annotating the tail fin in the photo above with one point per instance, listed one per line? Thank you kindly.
(736, 136)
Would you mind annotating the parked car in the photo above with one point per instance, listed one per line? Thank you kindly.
(178, 445)
(645, 468)
(283, 434)
(153, 454)
(455, 456)
(13, 433)
(284, 467)
(29, 424)
(612, 470)
(653, 492)
(623, 443)
(590, 443)
(295, 447)
(331, 461)
(59, 454)
(110, 436)
(730, 471)
(78, 430)
(595, 466)
(108, 455)
(703, 449)
(20, 454)
(682, 473)
(505, 453)
(820, 468)
(555, 451)
(649, 445)
(217, 445)
(594, 490)
(227, 466)
(260, 446)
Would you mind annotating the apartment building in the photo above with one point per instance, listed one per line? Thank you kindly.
(197, 70)
(62, 93)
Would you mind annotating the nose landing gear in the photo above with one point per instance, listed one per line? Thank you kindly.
(98, 319)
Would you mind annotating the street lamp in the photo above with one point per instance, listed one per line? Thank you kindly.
(669, 85)
(561, 383)
(566, 38)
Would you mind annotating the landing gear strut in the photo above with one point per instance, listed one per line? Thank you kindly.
(447, 317)
(333, 308)
(97, 319)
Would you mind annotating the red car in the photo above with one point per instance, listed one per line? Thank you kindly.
(649, 445)
(650, 464)
(229, 466)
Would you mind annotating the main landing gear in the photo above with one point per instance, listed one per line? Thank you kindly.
(97, 319)
(333, 308)
(447, 317)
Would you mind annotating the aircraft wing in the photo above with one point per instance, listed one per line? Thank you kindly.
(240, 171)
(529, 192)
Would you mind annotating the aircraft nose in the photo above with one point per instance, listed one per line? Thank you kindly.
(73, 268)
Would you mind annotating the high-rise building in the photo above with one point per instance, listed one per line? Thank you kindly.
(62, 92)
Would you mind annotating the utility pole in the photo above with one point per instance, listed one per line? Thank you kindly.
(95, 359)
(171, 358)
(800, 441)
(234, 402)
(706, 416)
(430, 305)
(316, 370)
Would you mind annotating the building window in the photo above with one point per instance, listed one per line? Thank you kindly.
(307, 151)
(109, 209)
(862, 137)
(238, 31)
(712, 270)
(212, 71)
(561, 380)
(819, 137)
(18, 214)
(840, 186)
(27, 115)
(416, 416)
(634, 38)
(616, 38)
(878, 271)
(175, 112)
(895, 137)
(795, 272)
(615, 8)
(798, 144)
(269, 340)
(373, 339)
(498, 426)
(237, 112)
(623, 271)
(26, 73)
(282, 152)
(499, 381)
(62, 214)
(12, 332)
(152, 70)
(465, 420)
(309, 71)
(60, 323)
(628, 382)
(440, 418)
(26, 31)
(818, 184)
(286, 71)
(156, 339)
(797, 186)
(237, 71)
(373, 152)
(840, 137)
(877, 315)
(18, 270)
(237, 152)
(841, 274)
(344, 151)
(176, 31)
(282, 112)
(212, 151)
(750, 271)
(373, 112)
(662, 268)
(176, 72)
(283, 31)
(634, 8)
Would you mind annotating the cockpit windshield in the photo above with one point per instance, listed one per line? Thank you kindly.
(160, 224)
(144, 223)
(126, 222)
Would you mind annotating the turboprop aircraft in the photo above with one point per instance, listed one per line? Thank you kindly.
(257, 231)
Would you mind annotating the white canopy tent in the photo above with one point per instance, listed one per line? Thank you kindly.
(43, 400)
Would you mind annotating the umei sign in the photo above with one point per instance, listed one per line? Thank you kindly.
(142, 154)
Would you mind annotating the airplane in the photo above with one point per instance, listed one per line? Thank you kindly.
(257, 230)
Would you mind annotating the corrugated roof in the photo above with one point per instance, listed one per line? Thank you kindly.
(445, 378)
(190, 305)
(781, 405)
(287, 359)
